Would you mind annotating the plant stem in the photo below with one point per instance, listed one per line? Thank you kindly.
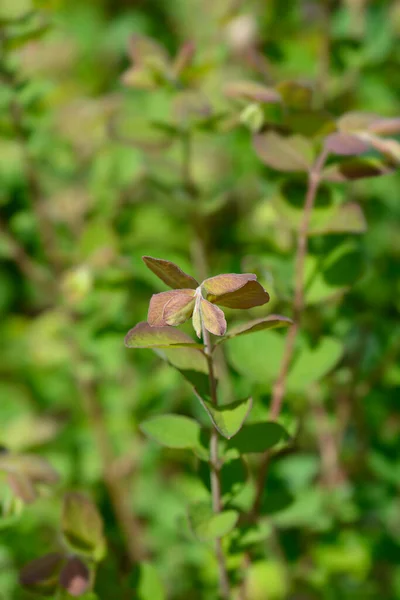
(278, 392)
(215, 469)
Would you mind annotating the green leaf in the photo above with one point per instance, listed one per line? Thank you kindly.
(75, 577)
(207, 525)
(41, 575)
(270, 322)
(170, 273)
(291, 153)
(348, 218)
(228, 418)
(173, 431)
(148, 585)
(82, 526)
(258, 437)
(144, 336)
(258, 357)
(313, 363)
(296, 95)
(233, 476)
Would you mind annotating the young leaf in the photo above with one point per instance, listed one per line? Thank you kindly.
(250, 295)
(291, 153)
(41, 575)
(206, 525)
(228, 418)
(144, 336)
(270, 322)
(173, 431)
(258, 437)
(170, 273)
(357, 168)
(212, 317)
(253, 91)
(225, 284)
(75, 577)
(346, 144)
(179, 308)
(167, 307)
(82, 526)
(22, 487)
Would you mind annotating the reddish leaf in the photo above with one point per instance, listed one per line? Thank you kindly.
(179, 308)
(170, 273)
(75, 577)
(250, 90)
(212, 317)
(224, 284)
(41, 575)
(157, 317)
(145, 336)
(389, 148)
(270, 322)
(356, 121)
(184, 58)
(291, 153)
(346, 144)
(22, 487)
(250, 295)
(385, 126)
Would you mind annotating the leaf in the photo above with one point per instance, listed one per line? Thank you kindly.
(207, 525)
(258, 437)
(295, 94)
(291, 153)
(22, 487)
(258, 357)
(346, 144)
(82, 525)
(149, 585)
(310, 122)
(385, 126)
(233, 477)
(179, 308)
(270, 322)
(212, 317)
(170, 273)
(75, 577)
(253, 91)
(144, 336)
(173, 431)
(228, 418)
(167, 307)
(41, 575)
(312, 364)
(356, 121)
(225, 284)
(250, 295)
(348, 218)
(357, 168)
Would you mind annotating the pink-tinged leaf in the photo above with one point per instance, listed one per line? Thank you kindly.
(291, 153)
(349, 218)
(224, 284)
(250, 295)
(184, 58)
(145, 336)
(385, 126)
(41, 575)
(354, 122)
(389, 148)
(158, 302)
(170, 273)
(270, 322)
(212, 317)
(75, 577)
(250, 90)
(346, 144)
(357, 168)
(22, 487)
(180, 308)
(143, 49)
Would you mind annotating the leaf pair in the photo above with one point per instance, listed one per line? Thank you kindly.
(191, 299)
(45, 574)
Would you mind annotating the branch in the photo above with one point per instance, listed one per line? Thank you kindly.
(278, 392)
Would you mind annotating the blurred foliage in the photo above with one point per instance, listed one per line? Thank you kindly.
(111, 149)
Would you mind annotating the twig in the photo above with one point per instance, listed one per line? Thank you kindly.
(215, 469)
(278, 392)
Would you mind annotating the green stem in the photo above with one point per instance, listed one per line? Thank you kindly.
(215, 469)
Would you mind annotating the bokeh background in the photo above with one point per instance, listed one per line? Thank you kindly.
(93, 176)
